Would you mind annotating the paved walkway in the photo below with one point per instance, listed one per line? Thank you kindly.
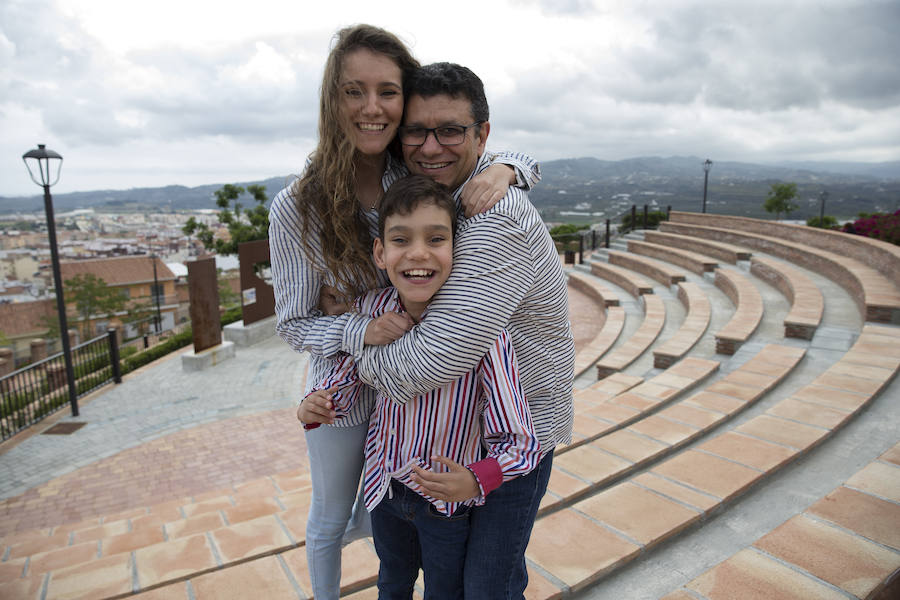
(165, 434)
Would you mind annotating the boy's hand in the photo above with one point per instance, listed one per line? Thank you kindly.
(317, 407)
(457, 485)
(388, 327)
(330, 303)
(486, 189)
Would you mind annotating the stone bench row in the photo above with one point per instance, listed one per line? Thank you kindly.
(748, 311)
(613, 323)
(850, 539)
(637, 343)
(725, 252)
(807, 302)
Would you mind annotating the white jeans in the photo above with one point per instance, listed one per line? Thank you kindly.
(335, 464)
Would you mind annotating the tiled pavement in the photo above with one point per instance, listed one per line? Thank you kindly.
(246, 428)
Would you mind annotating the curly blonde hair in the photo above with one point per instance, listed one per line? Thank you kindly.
(326, 194)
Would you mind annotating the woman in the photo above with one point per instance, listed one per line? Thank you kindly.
(320, 235)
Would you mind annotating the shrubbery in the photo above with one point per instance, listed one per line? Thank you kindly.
(880, 226)
(653, 220)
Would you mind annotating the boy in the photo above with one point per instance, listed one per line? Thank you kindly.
(429, 460)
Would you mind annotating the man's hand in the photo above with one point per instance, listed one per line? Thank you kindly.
(330, 302)
(388, 327)
(317, 407)
(486, 189)
(457, 485)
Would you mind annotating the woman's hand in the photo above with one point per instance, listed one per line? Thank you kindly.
(486, 189)
(456, 485)
(317, 408)
(388, 327)
(330, 302)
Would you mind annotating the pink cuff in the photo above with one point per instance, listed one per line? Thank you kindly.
(487, 472)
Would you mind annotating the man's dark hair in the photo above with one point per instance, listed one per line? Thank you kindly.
(450, 79)
(406, 194)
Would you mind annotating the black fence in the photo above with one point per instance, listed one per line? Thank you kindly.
(39, 389)
(600, 234)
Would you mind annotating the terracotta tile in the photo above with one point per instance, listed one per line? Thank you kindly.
(870, 359)
(710, 401)
(70, 527)
(248, 509)
(748, 451)
(854, 369)
(198, 524)
(541, 588)
(879, 479)
(261, 487)
(677, 491)
(651, 391)
(806, 412)
(690, 415)
(664, 430)
(147, 522)
(173, 591)
(892, 456)
(369, 593)
(222, 494)
(590, 464)
(630, 446)
(42, 544)
(210, 505)
(295, 519)
(669, 379)
(359, 565)
(593, 396)
(100, 578)
(588, 427)
(564, 485)
(749, 575)
(100, 531)
(132, 513)
(27, 588)
(866, 387)
(781, 431)
(709, 474)
(638, 513)
(826, 396)
(614, 413)
(170, 511)
(844, 560)
(63, 557)
(173, 559)
(296, 498)
(250, 538)
(750, 379)
(679, 595)
(292, 482)
(261, 578)
(576, 550)
(12, 569)
(617, 383)
(868, 516)
(741, 392)
(146, 536)
(14, 539)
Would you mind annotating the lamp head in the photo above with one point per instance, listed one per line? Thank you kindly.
(41, 158)
(707, 164)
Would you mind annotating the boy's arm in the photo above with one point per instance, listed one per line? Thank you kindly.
(333, 397)
(513, 447)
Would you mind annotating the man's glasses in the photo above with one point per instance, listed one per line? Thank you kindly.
(447, 135)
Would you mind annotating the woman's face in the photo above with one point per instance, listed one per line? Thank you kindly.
(371, 100)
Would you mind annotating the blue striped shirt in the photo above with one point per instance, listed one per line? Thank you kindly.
(298, 279)
(485, 407)
(506, 274)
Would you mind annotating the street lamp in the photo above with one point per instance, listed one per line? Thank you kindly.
(823, 196)
(41, 159)
(707, 165)
(156, 293)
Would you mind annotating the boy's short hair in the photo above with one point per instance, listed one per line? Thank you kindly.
(407, 193)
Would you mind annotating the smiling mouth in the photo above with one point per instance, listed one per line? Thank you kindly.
(418, 274)
(372, 126)
(439, 165)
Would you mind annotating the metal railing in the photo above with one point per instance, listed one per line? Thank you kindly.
(588, 240)
(39, 389)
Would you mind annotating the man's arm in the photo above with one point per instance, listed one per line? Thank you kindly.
(492, 272)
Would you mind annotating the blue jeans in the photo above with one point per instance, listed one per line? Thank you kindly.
(409, 533)
(335, 465)
(499, 533)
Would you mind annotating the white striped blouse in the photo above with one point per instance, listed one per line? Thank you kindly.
(480, 420)
(506, 274)
(298, 279)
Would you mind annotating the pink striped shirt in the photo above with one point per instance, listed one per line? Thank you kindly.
(481, 420)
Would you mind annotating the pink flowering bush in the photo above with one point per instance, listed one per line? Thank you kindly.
(884, 227)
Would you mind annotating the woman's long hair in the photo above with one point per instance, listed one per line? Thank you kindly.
(326, 194)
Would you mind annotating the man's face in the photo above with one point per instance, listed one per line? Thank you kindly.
(450, 165)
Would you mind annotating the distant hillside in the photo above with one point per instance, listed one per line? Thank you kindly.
(590, 185)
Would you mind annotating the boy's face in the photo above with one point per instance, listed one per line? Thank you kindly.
(417, 253)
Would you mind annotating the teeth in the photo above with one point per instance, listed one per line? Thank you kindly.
(434, 165)
(371, 126)
(418, 273)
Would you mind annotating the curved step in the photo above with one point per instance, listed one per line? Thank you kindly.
(696, 321)
(654, 269)
(639, 341)
(692, 261)
(748, 312)
(729, 253)
(807, 303)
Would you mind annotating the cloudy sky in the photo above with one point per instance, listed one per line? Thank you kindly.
(190, 92)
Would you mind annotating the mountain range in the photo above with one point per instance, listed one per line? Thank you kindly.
(590, 186)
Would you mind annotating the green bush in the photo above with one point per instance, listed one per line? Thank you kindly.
(653, 220)
(826, 222)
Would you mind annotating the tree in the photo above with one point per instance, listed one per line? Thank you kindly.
(92, 298)
(140, 316)
(779, 199)
(826, 222)
(227, 296)
(243, 225)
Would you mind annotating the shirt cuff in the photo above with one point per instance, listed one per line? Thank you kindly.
(488, 474)
(353, 340)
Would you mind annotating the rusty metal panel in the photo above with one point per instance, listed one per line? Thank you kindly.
(206, 324)
(257, 295)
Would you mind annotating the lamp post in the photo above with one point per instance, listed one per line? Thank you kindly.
(823, 196)
(707, 165)
(156, 294)
(41, 159)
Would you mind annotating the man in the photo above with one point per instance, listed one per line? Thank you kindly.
(506, 274)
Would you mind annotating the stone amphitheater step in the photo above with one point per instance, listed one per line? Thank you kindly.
(729, 253)
(807, 302)
(849, 540)
(654, 269)
(698, 313)
(748, 312)
(638, 342)
(692, 261)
